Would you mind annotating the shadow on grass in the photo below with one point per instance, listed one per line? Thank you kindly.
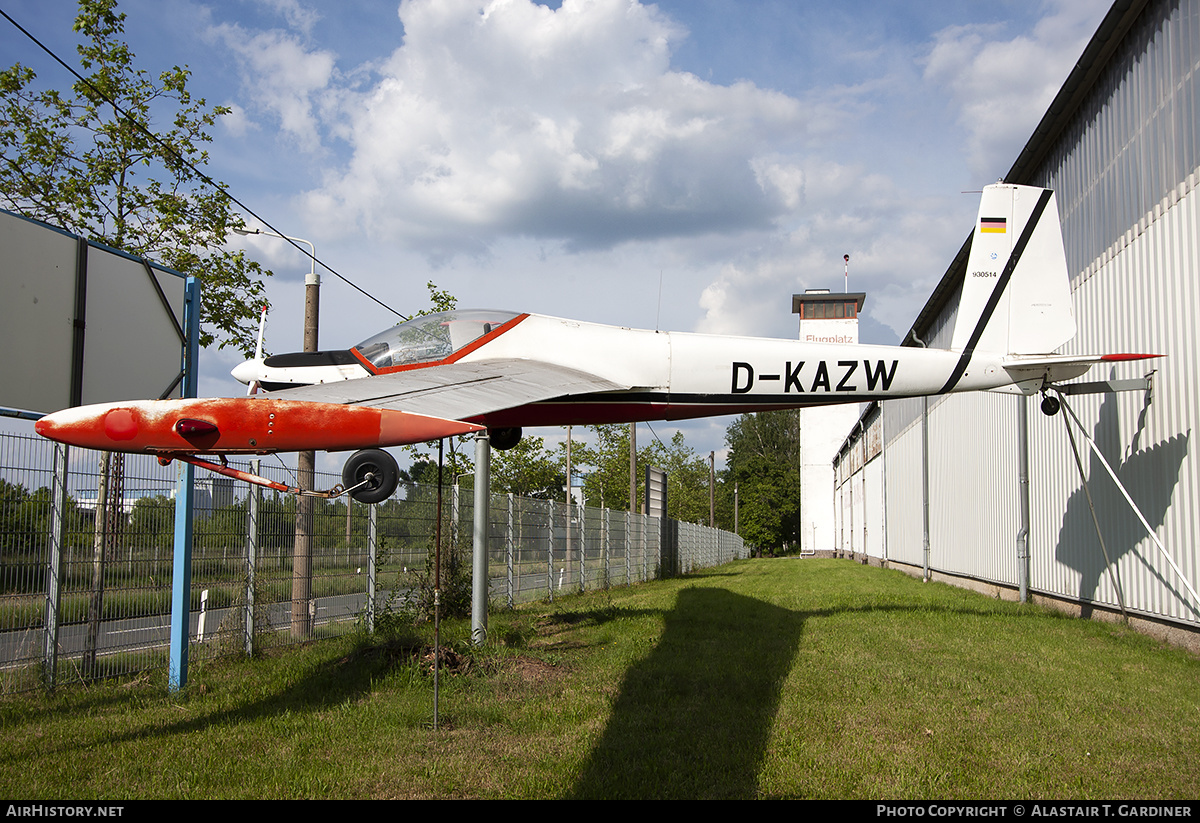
(693, 719)
(322, 685)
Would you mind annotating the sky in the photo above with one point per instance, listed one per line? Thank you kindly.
(686, 165)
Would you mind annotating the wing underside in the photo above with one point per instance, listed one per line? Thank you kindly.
(458, 391)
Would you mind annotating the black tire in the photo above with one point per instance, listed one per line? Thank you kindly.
(374, 465)
(503, 439)
(1050, 405)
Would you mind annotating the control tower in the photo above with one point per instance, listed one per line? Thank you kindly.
(825, 317)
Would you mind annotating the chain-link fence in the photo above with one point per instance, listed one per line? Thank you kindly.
(85, 576)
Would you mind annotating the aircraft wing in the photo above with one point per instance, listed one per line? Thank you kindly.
(457, 391)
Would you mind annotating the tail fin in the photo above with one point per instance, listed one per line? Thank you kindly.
(1016, 296)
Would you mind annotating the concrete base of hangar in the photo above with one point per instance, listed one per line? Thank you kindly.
(1185, 637)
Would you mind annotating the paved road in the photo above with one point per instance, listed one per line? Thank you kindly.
(24, 646)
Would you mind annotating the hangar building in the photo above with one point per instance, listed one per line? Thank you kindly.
(936, 486)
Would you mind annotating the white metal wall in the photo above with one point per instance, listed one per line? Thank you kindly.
(1125, 172)
(973, 514)
(1145, 296)
(903, 518)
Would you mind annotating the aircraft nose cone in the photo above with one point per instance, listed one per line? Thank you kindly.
(47, 426)
(247, 371)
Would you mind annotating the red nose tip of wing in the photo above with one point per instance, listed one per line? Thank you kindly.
(397, 428)
(108, 428)
(1111, 357)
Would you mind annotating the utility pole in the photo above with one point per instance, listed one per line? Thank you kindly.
(306, 462)
(633, 468)
(712, 478)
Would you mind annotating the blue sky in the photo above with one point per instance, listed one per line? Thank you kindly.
(570, 158)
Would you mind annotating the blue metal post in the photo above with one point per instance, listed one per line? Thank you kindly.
(181, 569)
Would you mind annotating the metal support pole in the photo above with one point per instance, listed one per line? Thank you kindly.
(1112, 571)
(570, 539)
(181, 568)
(1023, 497)
(925, 486)
(1128, 499)
(181, 577)
(479, 566)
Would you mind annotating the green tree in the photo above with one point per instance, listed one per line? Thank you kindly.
(70, 160)
(13, 535)
(605, 467)
(152, 522)
(687, 480)
(529, 469)
(764, 463)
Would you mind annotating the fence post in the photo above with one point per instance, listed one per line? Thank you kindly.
(372, 555)
(252, 506)
(550, 550)
(58, 530)
(581, 513)
(509, 544)
(607, 552)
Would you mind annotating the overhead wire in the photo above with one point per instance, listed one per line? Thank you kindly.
(208, 180)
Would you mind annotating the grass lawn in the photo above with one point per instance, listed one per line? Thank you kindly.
(763, 678)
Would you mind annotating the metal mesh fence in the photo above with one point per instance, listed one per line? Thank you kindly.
(85, 575)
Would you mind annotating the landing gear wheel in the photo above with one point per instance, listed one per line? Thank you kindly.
(375, 466)
(503, 439)
(1050, 405)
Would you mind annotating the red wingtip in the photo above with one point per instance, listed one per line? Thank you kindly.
(1130, 356)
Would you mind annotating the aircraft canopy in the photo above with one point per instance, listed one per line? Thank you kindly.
(430, 337)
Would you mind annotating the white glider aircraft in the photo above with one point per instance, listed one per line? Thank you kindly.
(462, 371)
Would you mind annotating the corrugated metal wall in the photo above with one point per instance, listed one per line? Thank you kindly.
(902, 480)
(1125, 170)
(1144, 298)
(1125, 175)
(973, 512)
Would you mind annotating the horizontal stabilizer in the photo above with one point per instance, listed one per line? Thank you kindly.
(1032, 374)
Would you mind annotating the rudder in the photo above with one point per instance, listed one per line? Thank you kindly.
(1016, 296)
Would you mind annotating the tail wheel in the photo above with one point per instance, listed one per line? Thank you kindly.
(1050, 405)
(377, 468)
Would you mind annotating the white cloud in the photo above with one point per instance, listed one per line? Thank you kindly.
(297, 16)
(497, 136)
(283, 77)
(510, 118)
(1003, 86)
(896, 241)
